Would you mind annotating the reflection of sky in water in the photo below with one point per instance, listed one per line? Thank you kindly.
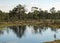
(30, 36)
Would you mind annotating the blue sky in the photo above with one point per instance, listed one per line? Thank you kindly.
(6, 5)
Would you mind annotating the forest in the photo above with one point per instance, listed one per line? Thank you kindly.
(18, 13)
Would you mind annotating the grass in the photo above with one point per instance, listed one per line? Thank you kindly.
(56, 41)
(31, 22)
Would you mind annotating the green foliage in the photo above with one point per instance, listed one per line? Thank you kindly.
(19, 13)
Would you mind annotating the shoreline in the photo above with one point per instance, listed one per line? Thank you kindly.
(55, 41)
(32, 22)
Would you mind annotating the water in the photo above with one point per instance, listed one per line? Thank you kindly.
(28, 34)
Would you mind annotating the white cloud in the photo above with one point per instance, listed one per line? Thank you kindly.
(44, 4)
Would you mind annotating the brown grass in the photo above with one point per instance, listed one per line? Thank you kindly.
(32, 22)
(56, 41)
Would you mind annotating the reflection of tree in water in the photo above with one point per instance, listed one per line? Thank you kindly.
(55, 36)
(19, 30)
(39, 29)
(55, 31)
(1, 32)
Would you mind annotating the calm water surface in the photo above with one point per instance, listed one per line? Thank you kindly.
(28, 34)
